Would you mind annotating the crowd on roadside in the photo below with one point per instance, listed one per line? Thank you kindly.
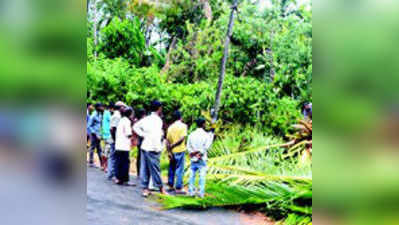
(114, 130)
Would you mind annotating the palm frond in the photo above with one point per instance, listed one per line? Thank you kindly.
(249, 168)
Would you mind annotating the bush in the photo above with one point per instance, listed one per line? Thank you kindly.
(245, 100)
(123, 39)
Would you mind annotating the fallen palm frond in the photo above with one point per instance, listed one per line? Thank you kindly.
(294, 219)
(301, 142)
(247, 168)
(249, 152)
(248, 178)
(275, 196)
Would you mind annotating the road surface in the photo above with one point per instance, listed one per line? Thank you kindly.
(109, 204)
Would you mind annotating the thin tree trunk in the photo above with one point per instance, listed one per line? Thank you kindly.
(224, 60)
(269, 53)
(207, 9)
(95, 29)
(168, 60)
(193, 51)
(148, 35)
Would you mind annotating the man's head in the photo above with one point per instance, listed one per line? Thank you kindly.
(127, 112)
(90, 107)
(121, 104)
(110, 107)
(200, 122)
(141, 113)
(99, 107)
(117, 108)
(176, 115)
(156, 106)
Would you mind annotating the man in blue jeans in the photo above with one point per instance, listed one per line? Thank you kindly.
(197, 145)
(176, 145)
(150, 129)
(94, 125)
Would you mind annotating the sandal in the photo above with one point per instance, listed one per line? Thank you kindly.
(145, 194)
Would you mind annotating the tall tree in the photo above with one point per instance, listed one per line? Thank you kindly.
(207, 10)
(111, 9)
(224, 60)
(95, 30)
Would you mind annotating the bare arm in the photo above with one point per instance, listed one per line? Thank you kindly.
(177, 143)
(138, 128)
(191, 149)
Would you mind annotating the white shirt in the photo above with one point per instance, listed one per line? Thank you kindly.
(123, 131)
(150, 129)
(115, 118)
(200, 141)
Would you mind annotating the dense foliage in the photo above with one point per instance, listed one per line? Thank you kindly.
(247, 100)
(123, 39)
(263, 42)
(171, 50)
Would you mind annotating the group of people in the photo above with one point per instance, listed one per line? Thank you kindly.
(120, 130)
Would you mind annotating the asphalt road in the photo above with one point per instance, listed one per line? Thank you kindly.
(109, 204)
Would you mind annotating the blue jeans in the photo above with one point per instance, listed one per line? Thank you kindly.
(95, 144)
(150, 168)
(200, 167)
(176, 169)
(111, 162)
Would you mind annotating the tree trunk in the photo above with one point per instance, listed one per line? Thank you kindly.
(148, 35)
(167, 63)
(95, 29)
(269, 53)
(207, 9)
(224, 60)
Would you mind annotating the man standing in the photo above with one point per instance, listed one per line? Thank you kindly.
(123, 146)
(198, 144)
(89, 110)
(176, 137)
(116, 117)
(95, 132)
(307, 111)
(141, 113)
(150, 128)
(106, 132)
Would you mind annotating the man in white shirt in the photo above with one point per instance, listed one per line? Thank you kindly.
(122, 146)
(150, 129)
(197, 145)
(115, 118)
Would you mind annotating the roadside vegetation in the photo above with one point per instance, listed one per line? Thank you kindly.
(171, 50)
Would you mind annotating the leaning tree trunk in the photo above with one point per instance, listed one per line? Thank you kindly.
(269, 52)
(95, 29)
(168, 59)
(224, 60)
(207, 10)
(148, 33)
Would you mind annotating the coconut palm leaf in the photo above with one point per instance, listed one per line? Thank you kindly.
(249, 168)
